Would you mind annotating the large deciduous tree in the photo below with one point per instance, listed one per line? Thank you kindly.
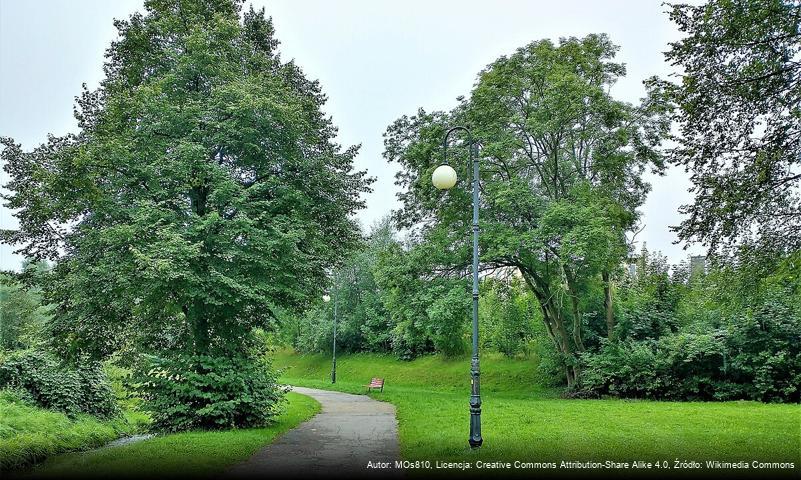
(738, 110)
(562, 165)
(203, 188)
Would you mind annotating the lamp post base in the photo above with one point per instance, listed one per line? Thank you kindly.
(475, 439)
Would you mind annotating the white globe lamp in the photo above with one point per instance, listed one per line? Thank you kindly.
(444, 177)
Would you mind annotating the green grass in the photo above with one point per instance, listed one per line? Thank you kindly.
(498, 374)
(190, 454)
(523, 421)
(29, 434)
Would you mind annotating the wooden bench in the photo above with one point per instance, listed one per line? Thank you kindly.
(377, 383)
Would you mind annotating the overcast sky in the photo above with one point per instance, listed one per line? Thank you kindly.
(376, 60)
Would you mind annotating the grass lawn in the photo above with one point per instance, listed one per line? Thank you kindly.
(190, 454)
(29, 434)
(527, 422)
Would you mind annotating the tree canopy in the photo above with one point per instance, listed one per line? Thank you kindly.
(562, 165)
(203, 189)
(738, 111)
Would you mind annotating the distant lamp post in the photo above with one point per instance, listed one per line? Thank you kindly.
(444, 178)
(326, 299)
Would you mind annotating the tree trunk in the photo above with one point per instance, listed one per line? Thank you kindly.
(572, 290)
(199, 326)
(577, 320)
(202, 335)
(555, 326)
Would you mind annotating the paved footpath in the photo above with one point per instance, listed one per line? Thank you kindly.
(350, 431)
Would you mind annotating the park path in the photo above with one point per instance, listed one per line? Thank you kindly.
(349, 432)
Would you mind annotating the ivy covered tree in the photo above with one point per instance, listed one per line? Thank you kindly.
(204, 189)
(738, 110)
(562, 165)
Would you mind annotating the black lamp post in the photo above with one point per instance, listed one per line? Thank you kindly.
(444, 178)
(327, 299)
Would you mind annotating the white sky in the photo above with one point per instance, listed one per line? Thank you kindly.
(376, 60)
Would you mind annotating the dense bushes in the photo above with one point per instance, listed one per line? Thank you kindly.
(447, 315)
(675, 367)
(232, 387)
(723, 335)
(703, 366)
(44, 381)
(185, 392)
(765, 345)
(29, 370)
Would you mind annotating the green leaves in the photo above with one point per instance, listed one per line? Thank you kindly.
(48, 383)
(205, 189)
(561, 176)
(22, 315)
(510, 317)
(186, 392)
(738, 109)
(723, 334)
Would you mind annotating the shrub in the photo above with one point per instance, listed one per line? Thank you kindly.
(550, 364)
(766, 350)
(695, 363)
(736, 333)
(186, 392)
(686, 366)
(408, 339)
(627, 369)
(49, 383)
(757, 357)
(23, 312)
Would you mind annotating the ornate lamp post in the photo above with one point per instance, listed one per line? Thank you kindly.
(444, 178)
(327, 299)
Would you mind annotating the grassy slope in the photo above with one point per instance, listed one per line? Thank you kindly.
(522, 421)
(29, 434)
(184, 454)
(511, 376)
